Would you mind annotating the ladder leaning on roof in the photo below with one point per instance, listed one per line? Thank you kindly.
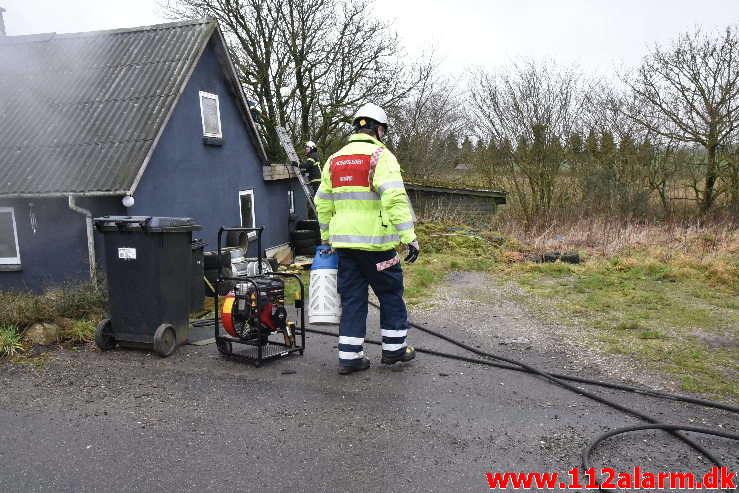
(293, 157)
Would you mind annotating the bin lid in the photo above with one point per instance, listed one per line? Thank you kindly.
(146, 224)
(198, 243)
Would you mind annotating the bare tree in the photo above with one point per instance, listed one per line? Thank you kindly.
(690, 94)
(729, 159)
(308, 65)
(536, 106)
(663, 160)
(432, 112)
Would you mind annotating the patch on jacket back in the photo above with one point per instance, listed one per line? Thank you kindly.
(350, 171)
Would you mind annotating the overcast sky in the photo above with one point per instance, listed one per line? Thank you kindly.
(596, 34)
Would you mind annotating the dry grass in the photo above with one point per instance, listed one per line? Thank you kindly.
(609, 238)
(663, 294)
(706, 251)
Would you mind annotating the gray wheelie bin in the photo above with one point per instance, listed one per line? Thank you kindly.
(148, 262)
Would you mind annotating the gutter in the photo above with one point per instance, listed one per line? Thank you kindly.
(29, 195)
(90, 237)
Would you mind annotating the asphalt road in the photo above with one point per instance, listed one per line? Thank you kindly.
(127, 420)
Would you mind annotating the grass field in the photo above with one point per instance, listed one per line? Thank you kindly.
(670, 306)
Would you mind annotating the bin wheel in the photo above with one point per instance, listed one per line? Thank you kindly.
(301, 352)
(104, 338)
(165, 340)
(225, 347)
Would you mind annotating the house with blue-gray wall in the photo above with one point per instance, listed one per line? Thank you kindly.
(148, 121)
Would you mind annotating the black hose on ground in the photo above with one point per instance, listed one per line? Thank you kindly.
(655, 426)
(588, 450)
(561, 382)
(674, 430)
(572, 378)
(511, 364)
(206, 322)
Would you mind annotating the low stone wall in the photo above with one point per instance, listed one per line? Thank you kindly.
(442, 204)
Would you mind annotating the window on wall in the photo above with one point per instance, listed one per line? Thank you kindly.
(211, 115)
(9, 254)
(246, 203)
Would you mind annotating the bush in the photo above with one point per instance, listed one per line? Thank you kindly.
(22, 310)
(76, 307)
(79, 331)
(10, 342)
(77, 300)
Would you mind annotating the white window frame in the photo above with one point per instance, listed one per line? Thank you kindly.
(250, 193)
(208, 95)
(17, 259)
(291, 201)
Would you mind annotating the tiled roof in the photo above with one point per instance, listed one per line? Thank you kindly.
(79, 112)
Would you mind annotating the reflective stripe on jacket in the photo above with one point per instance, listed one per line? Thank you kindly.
(312, 165)
(350, 214)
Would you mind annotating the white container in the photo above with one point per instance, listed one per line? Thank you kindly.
(252, 268)
(324, 305)
(249, 267)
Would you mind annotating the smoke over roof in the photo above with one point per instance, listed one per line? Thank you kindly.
(2, 22)
(80, 112)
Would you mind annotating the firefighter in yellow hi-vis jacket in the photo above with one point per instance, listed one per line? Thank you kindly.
(364, 213)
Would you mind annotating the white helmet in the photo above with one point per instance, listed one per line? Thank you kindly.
(372, 111)
(310, 144)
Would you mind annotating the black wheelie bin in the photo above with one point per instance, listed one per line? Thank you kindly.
(148, 262)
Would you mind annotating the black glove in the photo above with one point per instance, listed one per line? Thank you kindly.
(329, 250)
(413, 251)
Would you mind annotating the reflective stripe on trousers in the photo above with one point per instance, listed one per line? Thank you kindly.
(357, 272)
(350, 347)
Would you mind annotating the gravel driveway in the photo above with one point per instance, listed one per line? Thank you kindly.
(127, 420)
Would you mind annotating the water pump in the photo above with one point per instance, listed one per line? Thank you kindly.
(255, 309)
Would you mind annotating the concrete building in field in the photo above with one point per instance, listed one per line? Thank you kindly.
(154, 113)
(475, 205)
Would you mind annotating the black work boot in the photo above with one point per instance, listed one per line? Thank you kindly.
(355, 365)
(408, 355)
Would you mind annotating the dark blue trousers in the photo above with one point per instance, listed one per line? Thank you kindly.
(359, 269)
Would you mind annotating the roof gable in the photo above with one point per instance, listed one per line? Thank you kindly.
(80, 113)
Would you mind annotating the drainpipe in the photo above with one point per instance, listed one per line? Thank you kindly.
(90, 237)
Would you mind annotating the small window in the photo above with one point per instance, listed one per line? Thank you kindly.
(211, 114)
(9, 254)
(246, 203)
(291, 201)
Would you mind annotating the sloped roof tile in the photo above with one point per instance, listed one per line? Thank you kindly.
(79, 112)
